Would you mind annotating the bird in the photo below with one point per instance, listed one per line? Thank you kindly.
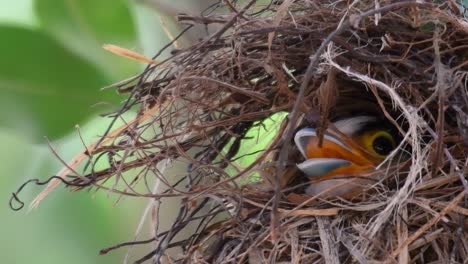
(352, 146)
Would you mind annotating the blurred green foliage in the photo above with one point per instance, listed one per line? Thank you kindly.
(51, 72)
(40, 77)
(83, 26)
(256, 140)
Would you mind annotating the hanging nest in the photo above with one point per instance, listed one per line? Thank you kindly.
(209, 107)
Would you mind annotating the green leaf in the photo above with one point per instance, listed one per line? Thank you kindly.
(17, 13)
(257, 139)
(45, 89)
(85, 25)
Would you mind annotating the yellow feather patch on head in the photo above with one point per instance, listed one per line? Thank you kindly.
(369, 138)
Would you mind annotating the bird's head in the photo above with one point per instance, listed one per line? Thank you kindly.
(350, 147)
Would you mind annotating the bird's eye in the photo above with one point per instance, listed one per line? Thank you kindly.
(379, 142)
(383, 145)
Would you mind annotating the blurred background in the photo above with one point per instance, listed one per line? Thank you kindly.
(52, 67)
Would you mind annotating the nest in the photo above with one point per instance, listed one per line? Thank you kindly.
(208, 107)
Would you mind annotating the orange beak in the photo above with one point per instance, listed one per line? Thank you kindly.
(339, 155)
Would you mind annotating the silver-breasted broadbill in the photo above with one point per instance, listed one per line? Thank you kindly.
(350, 148)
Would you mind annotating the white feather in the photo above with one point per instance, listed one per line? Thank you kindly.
(350, 126)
